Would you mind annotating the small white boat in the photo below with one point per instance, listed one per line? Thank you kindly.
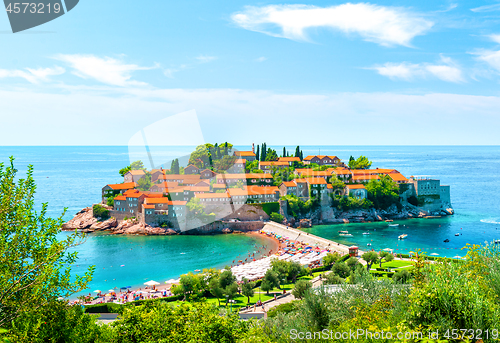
(369, 244)
(346, 234)
(403, 236)
(393, 224)
(457, 234)
(343, 232)
(366, 233)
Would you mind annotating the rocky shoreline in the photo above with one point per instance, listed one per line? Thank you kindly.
(85, 221)
(329, 215)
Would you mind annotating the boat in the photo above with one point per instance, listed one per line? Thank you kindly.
(403, 236)
(389, 221)
(497, 241)
(446, 240)
(369, 244)
(366, 233)
(457, 234)
(344, 232)
(393, 224)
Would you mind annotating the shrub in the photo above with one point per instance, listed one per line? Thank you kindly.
(276, 217)
(301, 288)
(100, 212)
(283, 308)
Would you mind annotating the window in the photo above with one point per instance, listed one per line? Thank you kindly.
(118, 203)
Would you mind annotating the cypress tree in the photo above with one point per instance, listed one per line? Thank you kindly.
(257, 154)
(301, 156)
(297, 151)
(284, 152)
(225, 149)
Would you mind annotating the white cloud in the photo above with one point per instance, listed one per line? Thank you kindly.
(383, 25)
(32, 75)
(106, 70)
(206, 59)
(446, 71)
(487, 8)
(492, 58)
(495, 38)
(261, 59)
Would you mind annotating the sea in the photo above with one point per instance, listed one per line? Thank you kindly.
(72, 177)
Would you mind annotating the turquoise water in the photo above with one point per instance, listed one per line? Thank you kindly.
(73, 177)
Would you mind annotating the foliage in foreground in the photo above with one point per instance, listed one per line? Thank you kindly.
(35, 267)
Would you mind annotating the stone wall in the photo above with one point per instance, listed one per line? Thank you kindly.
(219, 226)
(247, 212)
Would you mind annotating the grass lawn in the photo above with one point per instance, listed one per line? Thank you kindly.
(396, 264)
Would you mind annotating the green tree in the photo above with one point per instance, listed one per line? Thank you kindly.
(352, 263)
(331, 258)
(341, 269)
(271, 155)
(301, 288)
(137, 165)
(124, 171)
(333, 279)
(297, 151)
(270, 281)
(370, 258)
(231, 291)
(215, 289)
(383, 193)
(385, 255)
(263, 152)
(226, 278)
(100, 212)
(284, 152)
(337, 184)
(276, 217)
(175, 168)
(35, 266)
(144, 183)
(257, 154)
(361, 163)
(247, 289)
(189, 284)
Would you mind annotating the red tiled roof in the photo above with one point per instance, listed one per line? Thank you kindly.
(136, 172)
(271, 163)
(244, 153)
(316, 181)
(289, 184)
(310, 172)
(163, 200)
(240, 160)
(221, 185)
(253, 190)
(123, 186)
(200, 189)
(133, 193)
(211, 195)
(148, 206)
(301, 180)
(121, 197)
(397, 177)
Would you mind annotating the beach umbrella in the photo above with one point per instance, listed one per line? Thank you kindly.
(151, 283)
(171, 281)
(60, 298)
(111, 291)
(457, 256)
(434, 254)
(197, 270)
(97, 291)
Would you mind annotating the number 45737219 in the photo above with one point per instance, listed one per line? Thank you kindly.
(32, 7)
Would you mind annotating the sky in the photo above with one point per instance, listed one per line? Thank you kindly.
(309, 73)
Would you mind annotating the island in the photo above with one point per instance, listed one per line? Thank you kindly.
(224, 190)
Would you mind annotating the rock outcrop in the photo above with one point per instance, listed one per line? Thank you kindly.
(82, 220)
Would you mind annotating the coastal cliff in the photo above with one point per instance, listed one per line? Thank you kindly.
(329, 215)
(86, 222)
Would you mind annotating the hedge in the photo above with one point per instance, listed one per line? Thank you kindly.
(270, 207)
(118, 308)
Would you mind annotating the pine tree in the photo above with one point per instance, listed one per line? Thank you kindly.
(225, 149)
(297, 151)
(284, 152)
(263, 152)
(257, 154)
(301, 156)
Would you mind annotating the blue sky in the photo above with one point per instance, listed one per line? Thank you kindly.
(332, 73)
